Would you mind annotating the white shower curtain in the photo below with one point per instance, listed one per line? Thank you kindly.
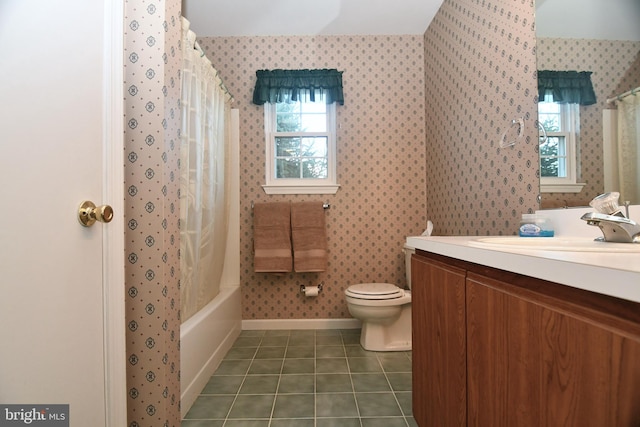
(204, 200)
(628, 147)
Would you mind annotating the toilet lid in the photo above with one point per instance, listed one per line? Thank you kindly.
(375, 291)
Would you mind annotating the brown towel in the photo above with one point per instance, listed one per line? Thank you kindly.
(309, 237)
(272, 237)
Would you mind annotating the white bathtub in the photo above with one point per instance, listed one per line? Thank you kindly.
(205, 338)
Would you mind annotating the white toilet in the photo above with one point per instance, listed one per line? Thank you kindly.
(385, 312)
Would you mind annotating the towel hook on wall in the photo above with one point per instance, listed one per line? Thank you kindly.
(520, 133)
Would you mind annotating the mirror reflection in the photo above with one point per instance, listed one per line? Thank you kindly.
(589, 149)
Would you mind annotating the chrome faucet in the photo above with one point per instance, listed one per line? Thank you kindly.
(615, 226)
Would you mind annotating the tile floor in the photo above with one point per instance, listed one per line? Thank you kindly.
(305, 378)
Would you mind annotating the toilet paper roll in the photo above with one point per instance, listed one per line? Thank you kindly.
(311, 291)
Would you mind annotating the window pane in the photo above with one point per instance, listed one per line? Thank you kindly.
(287, 147)
(314, 168)
(287, 122)
(314, 147)
(287, 117)
(549, 167)
(314, 123)
(287, 168)
(314, 107)
(553, 157)
(550, 146)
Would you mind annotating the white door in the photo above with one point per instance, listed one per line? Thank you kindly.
(61, 284)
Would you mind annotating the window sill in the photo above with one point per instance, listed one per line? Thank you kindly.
(561, 188)
(301, 189)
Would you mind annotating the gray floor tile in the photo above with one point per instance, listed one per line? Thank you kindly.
(325, 332)
(356, 350)
(384, 422)
(404, 399)
(301, 352)
(270, 352)
(233, 367)
(329, 340)
(338, 422)
(292, 422)
(298, 366)
(400, 381)
(277, 333)
(336, 405)
(328, 383)
(202, 423)
(370, 382)
(252, 406)
(323, 352)
(275, 341)
(335, 365)
(364, 364)
(294, 406)
(269, 366)
(247, 423)
(223, 384)
(395, 363)
(411, 422)
(260, 384)
(241, 353)
(378, 405)
(247, 342)
(302, 340)
(297, 383)
(351, 339)
(210, 407)
(252, 333)
(305, 378)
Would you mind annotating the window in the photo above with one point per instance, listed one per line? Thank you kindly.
(300, 132)
(559, 147)
(300, 147)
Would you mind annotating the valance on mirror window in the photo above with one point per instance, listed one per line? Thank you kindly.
(296, 85)
(566, 87)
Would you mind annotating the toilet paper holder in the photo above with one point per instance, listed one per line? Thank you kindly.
(303, 288)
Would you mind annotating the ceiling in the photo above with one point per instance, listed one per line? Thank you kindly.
(595, 19)
(212, 18)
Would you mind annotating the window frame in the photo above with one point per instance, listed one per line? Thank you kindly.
(570, 123)
(275, 185)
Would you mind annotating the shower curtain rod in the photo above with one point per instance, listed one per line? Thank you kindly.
(624, 95)
(221, 84)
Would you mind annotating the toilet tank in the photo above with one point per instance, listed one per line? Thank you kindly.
(408, 251)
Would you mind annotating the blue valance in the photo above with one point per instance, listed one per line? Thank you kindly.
(566, 87)
(275, 86)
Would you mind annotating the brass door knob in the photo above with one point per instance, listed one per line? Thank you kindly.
(89, 213)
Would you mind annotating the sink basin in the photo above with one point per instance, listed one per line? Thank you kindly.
(569, 244)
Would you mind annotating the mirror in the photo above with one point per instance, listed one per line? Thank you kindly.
(604, 38)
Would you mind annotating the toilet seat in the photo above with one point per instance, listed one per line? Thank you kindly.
(375, 291)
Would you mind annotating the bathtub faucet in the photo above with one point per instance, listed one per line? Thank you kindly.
(615, 226)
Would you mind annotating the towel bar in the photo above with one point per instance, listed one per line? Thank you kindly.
(324, 205)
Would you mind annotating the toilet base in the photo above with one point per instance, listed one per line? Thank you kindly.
(388, 337)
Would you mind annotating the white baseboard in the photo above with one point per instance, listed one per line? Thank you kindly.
(279, 324)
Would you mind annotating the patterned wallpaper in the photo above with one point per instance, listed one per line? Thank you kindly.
(152, 90)
(616, 69)
(381, 163)
(480, 67)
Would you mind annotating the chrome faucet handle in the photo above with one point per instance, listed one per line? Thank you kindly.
(626, 207)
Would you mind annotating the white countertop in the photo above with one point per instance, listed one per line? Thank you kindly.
(614, 274)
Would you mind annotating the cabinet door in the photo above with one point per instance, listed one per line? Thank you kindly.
(532, 363)
(439, 361)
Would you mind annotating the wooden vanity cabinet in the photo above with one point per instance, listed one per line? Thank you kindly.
(493, 348)
(438, 343)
